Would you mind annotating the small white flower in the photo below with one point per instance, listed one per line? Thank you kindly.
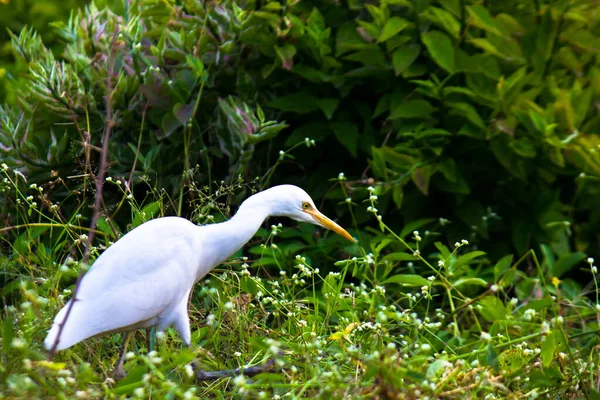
(341, 176)
(239, 380)
(485, 336)
(210, 319)
(494, 288)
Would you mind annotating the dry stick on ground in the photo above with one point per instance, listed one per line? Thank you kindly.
(269, 366)
(108, 125)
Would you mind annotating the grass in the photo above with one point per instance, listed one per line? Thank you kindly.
(398, 315)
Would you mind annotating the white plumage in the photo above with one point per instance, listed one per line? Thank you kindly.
(145, 278)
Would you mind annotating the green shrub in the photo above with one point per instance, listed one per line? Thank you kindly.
(482, 115)
(14, 16)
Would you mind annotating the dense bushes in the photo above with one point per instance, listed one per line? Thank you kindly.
(457, 110)
(14, 16)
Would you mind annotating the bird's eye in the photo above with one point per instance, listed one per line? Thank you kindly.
(305, 205)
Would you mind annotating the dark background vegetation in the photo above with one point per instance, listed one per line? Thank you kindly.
(452, 109)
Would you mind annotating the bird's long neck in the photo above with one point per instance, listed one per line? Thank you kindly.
(224, 239)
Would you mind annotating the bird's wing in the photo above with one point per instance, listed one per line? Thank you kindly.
(139, 277)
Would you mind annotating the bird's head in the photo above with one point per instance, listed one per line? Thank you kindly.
(292, 202)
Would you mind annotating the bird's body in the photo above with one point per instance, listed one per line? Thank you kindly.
(138, 282)
(145, 278)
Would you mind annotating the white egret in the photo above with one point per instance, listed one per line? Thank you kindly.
(145, 278)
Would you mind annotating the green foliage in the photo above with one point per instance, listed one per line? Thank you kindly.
(14, 16)
(389, 321)
(468, 139)
(482, 115)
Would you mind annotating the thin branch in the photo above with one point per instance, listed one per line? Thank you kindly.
(108, 125)
(269, 366)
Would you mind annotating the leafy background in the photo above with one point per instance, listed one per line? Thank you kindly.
(469, 120)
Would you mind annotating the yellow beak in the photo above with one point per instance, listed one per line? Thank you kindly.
(329, 224)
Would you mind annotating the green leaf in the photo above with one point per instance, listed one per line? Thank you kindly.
(440, 48)
(301, 102)
(523, 147)
(398, 195)
(566, 263)
(147, 213)
(421, 178)
(309, 73)
(328, 106)
(8, 333)
(286, 55)
(444, 20)
(397, 256)
(492, 309)
(470, 281)
(412, 109)
(404, 56)
(408, 280)
(348, 39)
(347, 134)
(183, 112)
(378, 164)
(481, 18)
(169, 124)
(392, 27)
(502, 266)
(488, 47)
(466, 259)
(511, 162)
(548, 349)
(467, 111)
(415, 225)
(195, 64)
(491, 357)
(368, 56)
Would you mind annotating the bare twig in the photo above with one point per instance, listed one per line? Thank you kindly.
(108, 125)
(269, 366)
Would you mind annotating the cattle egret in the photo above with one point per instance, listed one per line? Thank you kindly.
(145, 278)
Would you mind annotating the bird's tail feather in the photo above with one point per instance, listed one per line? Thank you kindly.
(71, 333)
